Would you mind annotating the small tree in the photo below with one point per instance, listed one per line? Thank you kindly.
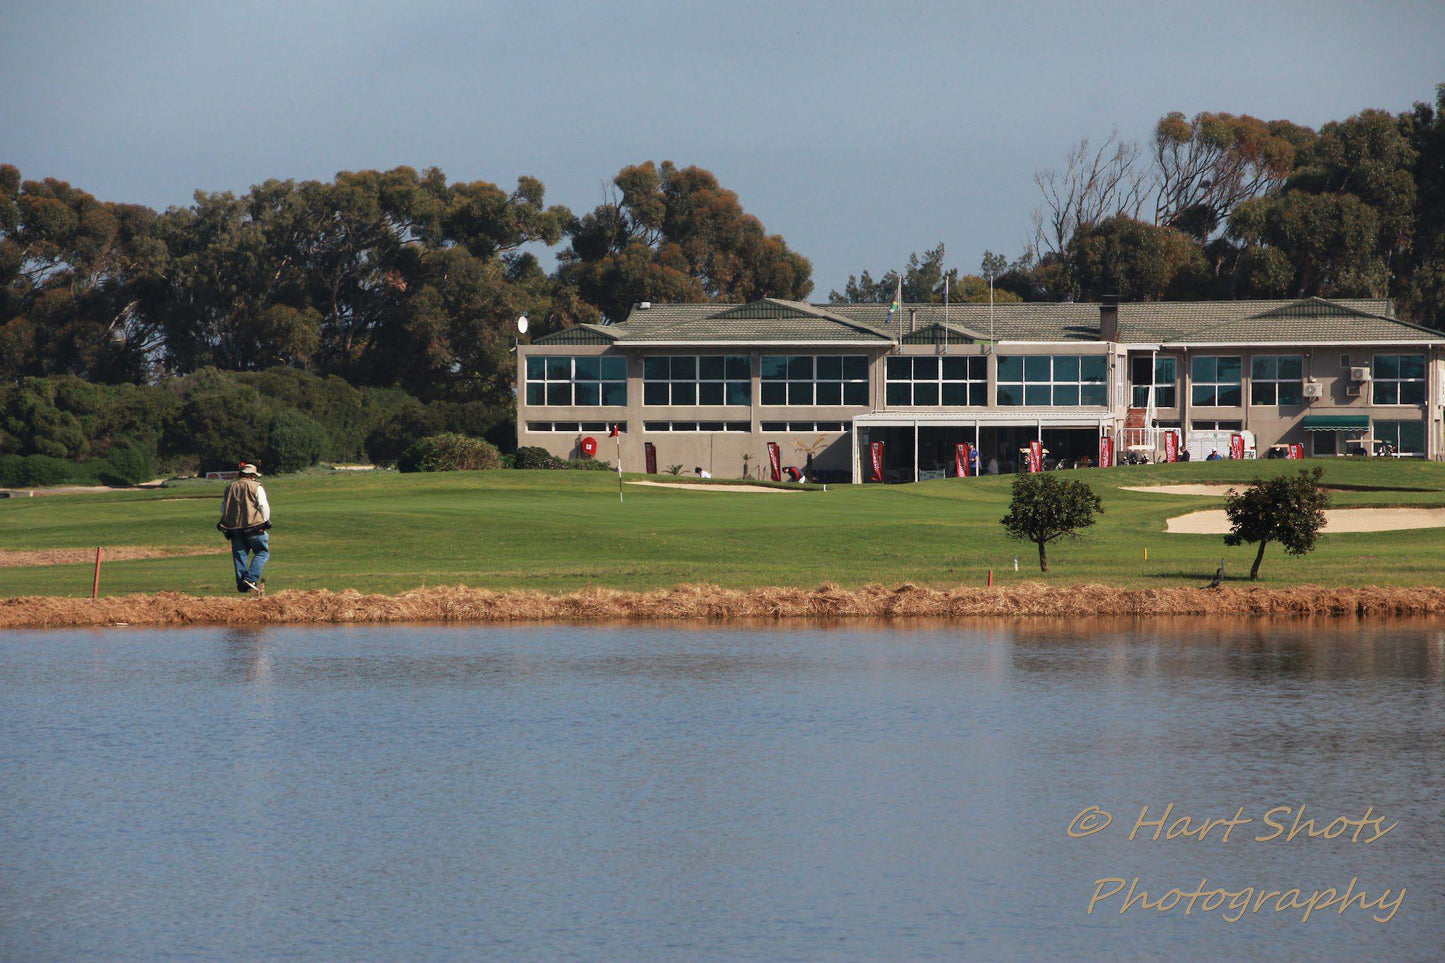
(1289, 509)
(1045, 507)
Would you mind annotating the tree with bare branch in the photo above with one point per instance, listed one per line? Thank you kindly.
(1094, 184)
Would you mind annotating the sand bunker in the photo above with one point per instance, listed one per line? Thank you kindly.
(118, 553)
(1337, 520)
(742, 489)
(1182, 489)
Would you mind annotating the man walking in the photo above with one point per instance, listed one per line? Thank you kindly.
(245, 517)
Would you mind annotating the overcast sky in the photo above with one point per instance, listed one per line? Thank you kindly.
(858, 131)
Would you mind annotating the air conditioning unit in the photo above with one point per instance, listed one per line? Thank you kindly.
(1360, 373)
(1354, 391)
(1313, 389)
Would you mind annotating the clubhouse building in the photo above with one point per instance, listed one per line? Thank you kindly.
(710, 385)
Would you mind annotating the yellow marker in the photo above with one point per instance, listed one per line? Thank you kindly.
(1146, 555)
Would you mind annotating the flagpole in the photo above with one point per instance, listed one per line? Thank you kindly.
(945, 312)
(618, 435)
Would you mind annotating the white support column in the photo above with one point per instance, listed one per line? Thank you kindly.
(857, 468)
(915, 451)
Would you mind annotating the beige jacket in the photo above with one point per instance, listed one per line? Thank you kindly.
(244, 505)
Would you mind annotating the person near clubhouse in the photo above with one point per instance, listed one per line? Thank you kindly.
(245, 518)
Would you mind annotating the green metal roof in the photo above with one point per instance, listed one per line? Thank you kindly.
(1336, 423)
(1183, 323)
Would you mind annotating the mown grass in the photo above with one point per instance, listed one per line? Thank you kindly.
(560, 531)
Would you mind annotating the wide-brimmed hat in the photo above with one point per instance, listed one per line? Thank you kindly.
(249, 469)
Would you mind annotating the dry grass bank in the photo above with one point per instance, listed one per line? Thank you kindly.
(700, 602)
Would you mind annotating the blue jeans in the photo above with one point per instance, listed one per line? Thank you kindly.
(259, 547)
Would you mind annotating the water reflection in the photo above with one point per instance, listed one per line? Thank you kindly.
(774, 790)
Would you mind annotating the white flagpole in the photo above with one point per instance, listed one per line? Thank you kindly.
(945, 312)
(618, 436)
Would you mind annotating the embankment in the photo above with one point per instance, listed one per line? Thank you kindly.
(706, 602)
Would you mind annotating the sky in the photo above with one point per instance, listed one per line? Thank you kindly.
(860, 132)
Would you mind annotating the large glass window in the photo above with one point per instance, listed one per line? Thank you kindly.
(565, 380)
(1406, 437)
(692, 380)
(1162, 375)
(824, 379)
(1276, 380)
(931, 381)
(1399, 379)
(1059, 380)
(1215, 381)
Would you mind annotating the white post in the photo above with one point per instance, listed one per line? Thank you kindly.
(915, 451)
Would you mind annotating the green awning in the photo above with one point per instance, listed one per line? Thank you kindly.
(1336, 423)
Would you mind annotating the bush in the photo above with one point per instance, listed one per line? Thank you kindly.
(398, 431)
(530, 456)
(293, 442)
(129, 462)
(450, 452)
(589, 464)
(220, 421)
(38, 471)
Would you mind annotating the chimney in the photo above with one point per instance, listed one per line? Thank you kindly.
(912, 319)
(1109, 317)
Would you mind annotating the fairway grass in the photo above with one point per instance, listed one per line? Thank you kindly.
(564, 531)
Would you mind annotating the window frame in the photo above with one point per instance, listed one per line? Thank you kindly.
(1029, 364)
(1171, 385)
(686, 390)
(1397, 424)
(974, 383)
(1274, 385)
(1398, 383)
(1213, 383)
(606, 386)
(797, 375)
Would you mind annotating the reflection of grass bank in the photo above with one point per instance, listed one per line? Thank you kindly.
(708, 602)
(564, 531)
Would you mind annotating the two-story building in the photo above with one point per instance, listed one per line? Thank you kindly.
(707, 384)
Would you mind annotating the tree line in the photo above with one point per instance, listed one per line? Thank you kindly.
(407, 284)
(1226, 207)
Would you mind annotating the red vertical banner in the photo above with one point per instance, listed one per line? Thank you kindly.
(1297, 450)
(1106, 451)
(876, 451)
(1236, 447)
(960, 459)
(1036, 456)
(1171, 446)
(775, 460)
(651, 451)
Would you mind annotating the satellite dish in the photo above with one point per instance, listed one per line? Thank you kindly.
(522, 324)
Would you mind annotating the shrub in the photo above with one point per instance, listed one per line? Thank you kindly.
(589, 464)
(293, 442)
(129, 462)
(37, 471)
(530, 456)
(674, 469)
(450, 452)
(390, 439)
(220, 421)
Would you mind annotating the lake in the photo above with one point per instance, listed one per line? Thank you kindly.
(796, 791)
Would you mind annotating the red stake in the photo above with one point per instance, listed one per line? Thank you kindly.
(95, 586)
(990, 577)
